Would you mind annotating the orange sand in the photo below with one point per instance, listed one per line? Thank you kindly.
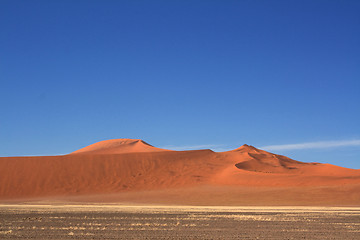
(126, 170)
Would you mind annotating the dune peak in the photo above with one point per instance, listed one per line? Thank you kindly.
(116, 146)
(246, 148)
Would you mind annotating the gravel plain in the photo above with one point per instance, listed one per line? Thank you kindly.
(170, 222)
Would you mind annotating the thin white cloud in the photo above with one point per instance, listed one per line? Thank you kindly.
(313, 145)
(220, 149)
(194, 147)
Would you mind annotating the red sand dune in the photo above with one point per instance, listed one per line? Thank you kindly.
(126, 170)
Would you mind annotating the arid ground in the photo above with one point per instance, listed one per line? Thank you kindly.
(161, 222)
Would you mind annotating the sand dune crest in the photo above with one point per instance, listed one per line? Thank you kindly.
(115, 146)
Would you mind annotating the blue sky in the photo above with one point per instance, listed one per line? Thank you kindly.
(194, 74)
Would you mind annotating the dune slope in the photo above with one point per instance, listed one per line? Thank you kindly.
(133, 171)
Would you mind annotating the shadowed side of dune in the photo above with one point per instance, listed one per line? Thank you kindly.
(270, 163)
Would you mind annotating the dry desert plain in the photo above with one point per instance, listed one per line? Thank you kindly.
(128, 189)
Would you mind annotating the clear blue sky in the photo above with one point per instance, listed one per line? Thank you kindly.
(182, 74)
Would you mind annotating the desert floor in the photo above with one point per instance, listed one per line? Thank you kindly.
(58, 221)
